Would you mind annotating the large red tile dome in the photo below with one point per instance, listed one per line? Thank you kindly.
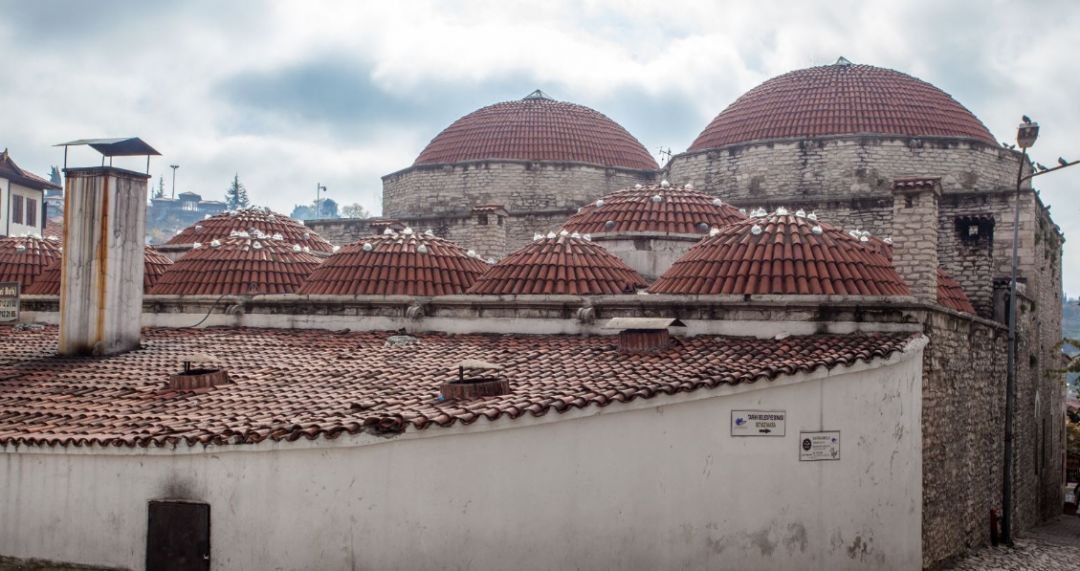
(841, 99)
(563, 264)
(651, 210)
(397, 263)
(781, 254)
(538, 128)
(251, 220)
(239, 265)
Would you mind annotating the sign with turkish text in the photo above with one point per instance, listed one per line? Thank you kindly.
(9, 301)
(758, 422)
(814, 446)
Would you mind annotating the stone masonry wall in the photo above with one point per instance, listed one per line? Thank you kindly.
(843, 167)
(488, 236)
(915, 249)
(518, 186)
(963, 439)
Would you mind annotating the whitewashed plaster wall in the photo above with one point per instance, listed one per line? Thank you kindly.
(657, 484)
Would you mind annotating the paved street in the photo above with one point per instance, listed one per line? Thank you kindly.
(1052, 547)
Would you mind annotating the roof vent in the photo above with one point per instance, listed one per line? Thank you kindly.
(643, 334)
(200, 374)
(476, 379)
(537, 95)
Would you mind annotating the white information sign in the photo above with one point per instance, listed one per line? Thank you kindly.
(9, 301)
(758, 422)
(815, 446)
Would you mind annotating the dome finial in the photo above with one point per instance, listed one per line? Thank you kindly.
(537, 95)
(842, 61)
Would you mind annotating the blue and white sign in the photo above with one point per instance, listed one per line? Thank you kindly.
(758, 422)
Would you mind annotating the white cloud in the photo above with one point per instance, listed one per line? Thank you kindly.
(156, 70)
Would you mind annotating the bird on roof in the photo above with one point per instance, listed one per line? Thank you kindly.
(1063, 162)
(1027, 120)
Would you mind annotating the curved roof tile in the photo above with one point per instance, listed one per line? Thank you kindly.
(782, 254)
(239, 265)
(559, 265)
(537, 128)
(841, 99)
(396, 264)
(22, 258)
(353, 382)
(654, 209)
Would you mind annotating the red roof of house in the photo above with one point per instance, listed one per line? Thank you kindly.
(841, 99)
(240, 265)
(396, 264)
(537, 128)
(221, 226)
(48, 281)
(559, 265)
(12, 172)
(653, 209)
(54, 228)
(781, 254)
(951, 294)
(293, 384)
(22, 258)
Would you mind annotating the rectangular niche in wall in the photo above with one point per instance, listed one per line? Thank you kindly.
(178, 536)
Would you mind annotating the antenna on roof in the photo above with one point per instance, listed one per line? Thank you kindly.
(665, 155)
(843, 61)
(537, 95)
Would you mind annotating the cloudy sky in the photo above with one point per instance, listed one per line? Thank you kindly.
(288, 94)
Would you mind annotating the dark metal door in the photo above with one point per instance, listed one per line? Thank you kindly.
(178, 536)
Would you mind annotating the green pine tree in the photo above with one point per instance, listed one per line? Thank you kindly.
(236, 197)
(159, 192)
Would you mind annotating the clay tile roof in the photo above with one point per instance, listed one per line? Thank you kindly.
(222, 225)
(48, 281)
(11, 171)
(238, 266)
(394, 265)
(841, 100)
(559, 265)
(54, 228)
(306, 384)
(636, 210)
(951, 294)
(781, 254)
(22, 258)
(538, 129)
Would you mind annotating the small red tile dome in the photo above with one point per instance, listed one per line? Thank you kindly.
(656, 209)
(559, 265)
(221, 226)
(240, 265)
(538, 128)
(48, 281)
(405, 263)
(781, 254)
(951, 294)
(22, 258)
(841, 99)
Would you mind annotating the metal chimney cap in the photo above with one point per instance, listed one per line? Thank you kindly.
(121, 147)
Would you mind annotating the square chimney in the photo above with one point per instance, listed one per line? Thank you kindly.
(101, 287)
